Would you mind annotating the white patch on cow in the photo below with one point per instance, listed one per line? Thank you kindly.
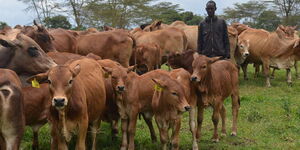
(8, 132)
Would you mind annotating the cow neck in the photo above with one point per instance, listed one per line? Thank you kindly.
(160, 106)
(6, 56)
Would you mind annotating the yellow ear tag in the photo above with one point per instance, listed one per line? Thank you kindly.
(35, 83)
(158, 88)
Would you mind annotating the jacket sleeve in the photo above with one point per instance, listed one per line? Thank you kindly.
(200, 39)
(226, 41)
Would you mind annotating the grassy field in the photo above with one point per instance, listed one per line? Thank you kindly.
(269, 118)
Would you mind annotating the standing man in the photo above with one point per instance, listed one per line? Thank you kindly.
(212, 34)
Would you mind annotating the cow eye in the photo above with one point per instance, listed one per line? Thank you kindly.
(48, 81)
(33, 51)
(71, 81)
(114, 77)
(203, 67)
(174, 93)
(241, 46)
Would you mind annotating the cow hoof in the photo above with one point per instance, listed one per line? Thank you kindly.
(233, 133)
(123, 148)
(195, 147)
(289, 83)
(246, 79)
(272, 77)
(215, 140)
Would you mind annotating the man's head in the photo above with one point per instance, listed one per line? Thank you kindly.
(211, 7)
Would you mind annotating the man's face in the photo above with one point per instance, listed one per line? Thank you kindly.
(210, 9)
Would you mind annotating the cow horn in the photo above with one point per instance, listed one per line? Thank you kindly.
(38, 26)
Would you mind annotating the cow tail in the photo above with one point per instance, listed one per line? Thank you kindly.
(239, 100)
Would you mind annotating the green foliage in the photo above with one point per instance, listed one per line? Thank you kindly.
(2, 25)
(264, 21)
(57, 22)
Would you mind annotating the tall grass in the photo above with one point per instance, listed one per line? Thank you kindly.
(269, 118)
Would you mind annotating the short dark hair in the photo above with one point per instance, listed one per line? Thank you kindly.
(211, 2)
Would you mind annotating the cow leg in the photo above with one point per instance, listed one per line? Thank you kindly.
(132, 129)
(114, 129)
(267, 73)
(54, 137)
(244, 68)
(200, 120)
(148, 120)
(175, 134)
(289, 76)
(80, 144)
(256, 66)
(215, 119)
(124, 127)
(223, 117)
(296, 70)
(273, 73)
(163, 132)
(193, 128)
(12, 142)
(94, 129)
(235, 111)
(35, 142)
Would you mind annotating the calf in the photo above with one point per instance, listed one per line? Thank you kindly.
(216, 81)
(78, 99)
(183, 60)
(183, 77)
(11, 110)
(146, 54)
(138, 99)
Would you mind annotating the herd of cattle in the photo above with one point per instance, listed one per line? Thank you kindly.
(80, 78)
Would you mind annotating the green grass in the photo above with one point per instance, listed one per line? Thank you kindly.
(269, 118)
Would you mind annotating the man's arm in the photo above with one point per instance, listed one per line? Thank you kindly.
(226, 41)
(200, 39)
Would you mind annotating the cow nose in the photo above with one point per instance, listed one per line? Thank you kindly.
(187, 108)
(193, 78)
(246, 54)
(121, 88)
(59, 102)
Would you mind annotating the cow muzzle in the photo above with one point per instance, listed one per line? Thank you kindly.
(246, 54)
(121, 88)
(194, 79)
(59, 102)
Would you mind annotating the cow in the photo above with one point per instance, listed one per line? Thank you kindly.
(171, 40)
(64, 40)
(183, 77)
(138, 99)
(11, 110)
(115, 86)
(216, 80)
(23, 55)
(146, 54)
(40, 35)
(61, 58)
(268, 49)
(183, 60)
(77, 100)
(115, 45)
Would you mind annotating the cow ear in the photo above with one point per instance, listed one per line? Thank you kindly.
(281, 27)
(195, 55)
(295, 27)
(131, 68)
(40, 78)
(75, 71)
(7, 43)
(158, 23)
(107, 70)
(160, 83)
(214, 59)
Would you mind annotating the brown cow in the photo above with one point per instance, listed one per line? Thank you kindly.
(11, 110)
(116, 45)
(183, 60)
(138, 99)
(146, 54)
(216, 81)
(40, 35)
(23, 55)
(64, 40)
(78, 99)
(183, 77)
(268, 49)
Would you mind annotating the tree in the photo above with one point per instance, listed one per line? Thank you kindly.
(268, 20)
(57, 22)
(287, 8)
(2, 25)
(190, 18)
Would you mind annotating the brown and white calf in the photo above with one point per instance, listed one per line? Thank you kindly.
(12, 119)
(216, 80)
(138, 99)
(78, 99)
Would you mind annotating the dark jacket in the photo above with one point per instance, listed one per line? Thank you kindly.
(213, 38)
